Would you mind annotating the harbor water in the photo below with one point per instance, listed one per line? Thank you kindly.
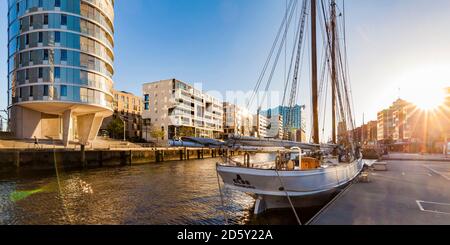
(174, 193)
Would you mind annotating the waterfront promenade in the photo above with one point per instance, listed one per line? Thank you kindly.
(411, 192)
(99, 143)
(19, 154)
(416, 157)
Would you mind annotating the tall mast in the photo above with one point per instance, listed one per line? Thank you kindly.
(333, 68)
(315, 103)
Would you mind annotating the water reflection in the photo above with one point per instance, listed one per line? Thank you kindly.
(168, 193)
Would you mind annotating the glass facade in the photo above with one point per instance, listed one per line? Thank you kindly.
(284, 112)
(61, 50)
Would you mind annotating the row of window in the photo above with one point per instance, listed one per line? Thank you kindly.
(30, 6)
(106, 6)
(60, 21)
(61, 93)
(60, 75)
(63, 40)
(60, 57)
(93, 14)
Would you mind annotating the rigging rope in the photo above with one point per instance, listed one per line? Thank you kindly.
(296, 74)
(275, 64)
(267, 62)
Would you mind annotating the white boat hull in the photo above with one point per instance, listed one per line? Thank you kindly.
(304, 188)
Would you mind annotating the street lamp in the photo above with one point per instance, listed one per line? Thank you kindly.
(124, 125)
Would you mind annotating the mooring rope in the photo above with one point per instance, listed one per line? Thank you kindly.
(221, 197)
(289, 198)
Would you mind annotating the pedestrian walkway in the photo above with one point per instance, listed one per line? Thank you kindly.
(99, 143)
(417, 157)
(409, 193)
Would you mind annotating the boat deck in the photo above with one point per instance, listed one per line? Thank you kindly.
(270, 165)
(409, 193)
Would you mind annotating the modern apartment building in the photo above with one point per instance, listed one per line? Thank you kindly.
(60, 68)
(399, 122)
(128, 109)
(178, 109)
(385, 125)
(236, 120)
(261, 125)
(371, 132)
(300, 136)
(283, 112)
(276, 127)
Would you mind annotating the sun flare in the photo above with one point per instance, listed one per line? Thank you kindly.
(425, 87)
(428, 99)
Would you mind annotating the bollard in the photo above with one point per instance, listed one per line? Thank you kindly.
(131, 158)
(158, 158)
(83, 156)
(100, 158)
(17, 159)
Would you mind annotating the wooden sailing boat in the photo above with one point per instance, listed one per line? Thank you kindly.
(303, 174)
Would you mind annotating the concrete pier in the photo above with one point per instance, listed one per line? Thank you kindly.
(408, 193)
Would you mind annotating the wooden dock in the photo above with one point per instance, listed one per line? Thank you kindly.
(408, 193)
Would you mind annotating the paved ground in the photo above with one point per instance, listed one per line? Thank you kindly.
(410, 193)
(417, 157)
(99, 143)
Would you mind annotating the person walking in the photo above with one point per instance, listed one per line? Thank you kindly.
(36, 143)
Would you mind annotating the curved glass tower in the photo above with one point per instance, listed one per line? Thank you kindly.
(60, 67)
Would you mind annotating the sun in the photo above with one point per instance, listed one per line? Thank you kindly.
(429, 99)
(425, 86)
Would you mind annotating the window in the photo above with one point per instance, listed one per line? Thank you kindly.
(45, 90)
(27, 39)
(57, 37)
(21, 92)
(45, 19)
(57, 3)
(63, 90)
(45, 54)
(31, 20)
(63, 55)
(40, 3)
(147, 97)
(27, 74)
(17, 7)
(57, 72)
(40, 37)
(146, 106)
(40, 72)
(63, 20)
(31, 91)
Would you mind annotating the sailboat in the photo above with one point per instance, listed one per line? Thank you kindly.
(302, 174)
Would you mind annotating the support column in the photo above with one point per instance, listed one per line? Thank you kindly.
(67, 127)
(88, 127)
(96, 124)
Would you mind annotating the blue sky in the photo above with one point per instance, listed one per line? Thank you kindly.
(392, 45)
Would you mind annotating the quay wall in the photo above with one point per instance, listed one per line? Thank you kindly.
(13, 159)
